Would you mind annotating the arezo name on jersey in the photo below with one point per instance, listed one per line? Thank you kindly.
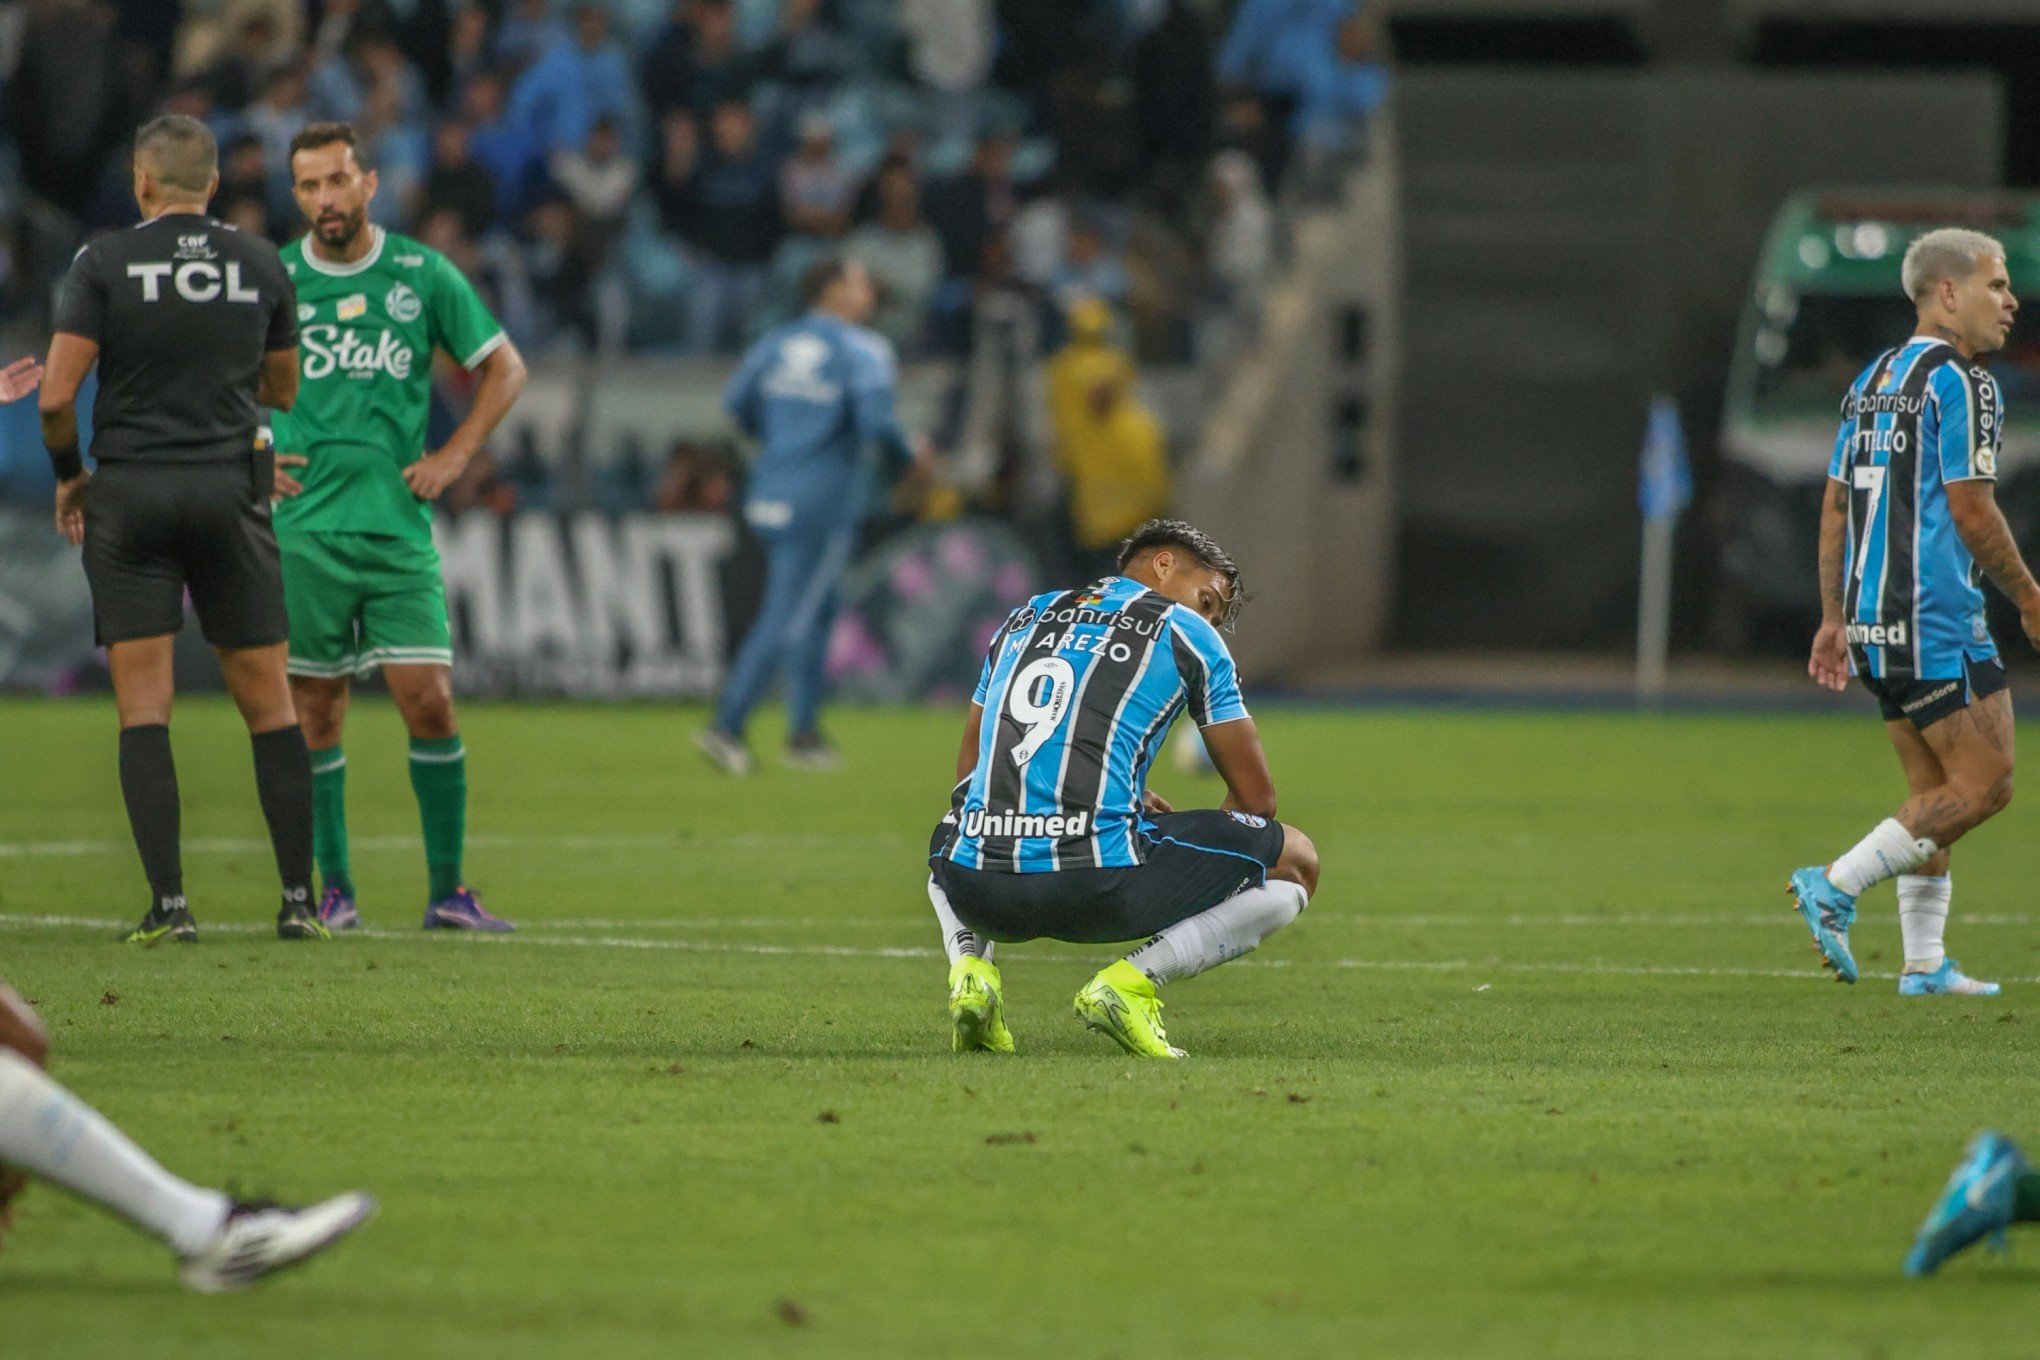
(194, 280)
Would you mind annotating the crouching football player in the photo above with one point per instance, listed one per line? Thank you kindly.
(1053, 833)
(48, 1132)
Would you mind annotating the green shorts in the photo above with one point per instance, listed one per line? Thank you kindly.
(359, 601)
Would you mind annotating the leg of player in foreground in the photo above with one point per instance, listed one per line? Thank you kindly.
(48, 1132)
(1993, 1188)
(1970, 751)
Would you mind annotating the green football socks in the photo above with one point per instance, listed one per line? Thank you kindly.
(439, 778)
(329, 819)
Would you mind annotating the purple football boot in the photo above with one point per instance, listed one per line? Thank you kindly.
(336, 909)
(463, 911)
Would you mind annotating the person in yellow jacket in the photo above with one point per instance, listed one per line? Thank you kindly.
(1108, 445)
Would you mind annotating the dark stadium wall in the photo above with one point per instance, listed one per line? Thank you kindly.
(1574, 242)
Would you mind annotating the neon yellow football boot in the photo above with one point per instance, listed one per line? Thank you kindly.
(976, 1009)
(1121, 1002)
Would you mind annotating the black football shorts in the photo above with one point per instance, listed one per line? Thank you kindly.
(155, 530)
(1194, 861)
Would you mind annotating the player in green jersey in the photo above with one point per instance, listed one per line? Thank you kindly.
(360, 573)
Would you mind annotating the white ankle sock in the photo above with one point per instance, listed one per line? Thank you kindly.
(1922, 915)
(958, 939)
(1222, 933)
(46, 1130)
(1888, 851)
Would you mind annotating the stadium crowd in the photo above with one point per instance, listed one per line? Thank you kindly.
(655, 176)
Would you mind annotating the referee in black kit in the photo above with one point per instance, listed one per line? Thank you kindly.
(193, 325)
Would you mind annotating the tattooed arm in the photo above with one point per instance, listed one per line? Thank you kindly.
(1989, 540)
(1829, 664)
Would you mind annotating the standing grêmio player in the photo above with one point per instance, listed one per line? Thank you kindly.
(360, 570)
(1908, 522)
(191, 325)
(1053, 832)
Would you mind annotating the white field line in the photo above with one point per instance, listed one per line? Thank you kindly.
(1361, 919)
(911, 952)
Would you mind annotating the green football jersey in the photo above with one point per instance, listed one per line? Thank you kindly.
(366, 332)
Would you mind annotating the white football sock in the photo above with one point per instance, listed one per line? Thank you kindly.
(1922, 915)
(1223, 933)
(46, 1130)
(1888, 851)
(958, 939)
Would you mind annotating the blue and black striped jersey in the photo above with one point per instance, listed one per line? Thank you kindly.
(1919, 417)
(1078, 689)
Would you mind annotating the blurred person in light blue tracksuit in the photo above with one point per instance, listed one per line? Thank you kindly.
(817, 394)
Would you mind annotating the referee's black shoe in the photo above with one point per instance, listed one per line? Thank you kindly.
(299, 920)
(169, 919)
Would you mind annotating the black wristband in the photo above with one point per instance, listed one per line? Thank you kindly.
(67, 462)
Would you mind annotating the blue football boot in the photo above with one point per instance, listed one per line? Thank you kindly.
(1977, 1203)
(1828, 912)
(1947, 980)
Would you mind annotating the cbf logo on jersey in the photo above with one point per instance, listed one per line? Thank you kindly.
(194, 281)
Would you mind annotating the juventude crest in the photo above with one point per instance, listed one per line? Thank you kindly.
(402, 303)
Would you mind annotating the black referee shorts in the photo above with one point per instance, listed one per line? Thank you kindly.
(1195, 860)
(154, 530)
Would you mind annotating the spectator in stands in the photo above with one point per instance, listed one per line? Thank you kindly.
(1343, 86)
(949, 50)
(809, 53)
(529, 30)
(1239, 259)
(1173, 96)
(560, 95)
(66, 108)
(457, 181)
(816, 192)
(279, 115)
(1091, 269)
(698, 478)
(213, 35)
(1108, 445)
(903, 254)
(243, 195)
(724, 203)
(397, 149)
(341, 83)
(1245, 124)
(507, 151)
(243, 64)
(599, 183)
(972, 208)
(1273, 44)
(696, 62)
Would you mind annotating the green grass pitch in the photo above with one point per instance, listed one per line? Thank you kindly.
(1548, 1068)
